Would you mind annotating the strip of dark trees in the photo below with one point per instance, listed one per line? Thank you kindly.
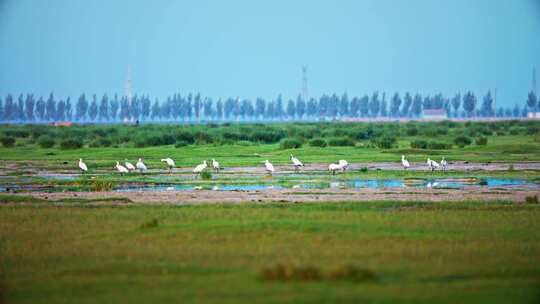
(194, 108)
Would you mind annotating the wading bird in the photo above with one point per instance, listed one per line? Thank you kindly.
(215, 165)
(269, 167)
(82, 166)
(121, 169)
(444, 163)
(140, 165)
(129, 165)
(296, 163)
(405, 163)
(343, 164)
(432, 164)
(200, 168)
(170, 163)
(333, 168)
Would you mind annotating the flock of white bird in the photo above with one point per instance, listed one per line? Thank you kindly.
(341, 165)
(432, 165)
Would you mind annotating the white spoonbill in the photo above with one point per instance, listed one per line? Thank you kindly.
(129, 165)
(200, 168)
(405, 162)
(140, 165)
(343, 164)
(432, 164)
(296, 163)
(121, 169)
(82, 166)
(333, 168)
(444, 163)
(215, 165)
(170, 163)
(269, 167)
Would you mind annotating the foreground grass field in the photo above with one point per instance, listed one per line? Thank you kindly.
(417, 252)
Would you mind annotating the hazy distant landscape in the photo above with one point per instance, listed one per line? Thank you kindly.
(269, 151)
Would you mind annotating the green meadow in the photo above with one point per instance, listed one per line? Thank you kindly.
(383, 252)
(245, 144)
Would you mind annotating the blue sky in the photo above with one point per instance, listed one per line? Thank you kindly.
(253, 48)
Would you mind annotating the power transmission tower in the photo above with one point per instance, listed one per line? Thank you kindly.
(534, 82)
(305, 95)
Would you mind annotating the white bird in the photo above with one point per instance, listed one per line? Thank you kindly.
(200, 168)
(444, 163)
(215, 165)
(269, 167)
(140, 165)
(82, 166)
(333, 168)
(121, 169)
(129, 165)
(405, 162)
(343, 164)
(432, 164)
(296, 163)
(170, 163)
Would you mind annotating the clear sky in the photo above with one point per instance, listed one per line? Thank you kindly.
(251, 48)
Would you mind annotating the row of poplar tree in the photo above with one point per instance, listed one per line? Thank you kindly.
(193, 107)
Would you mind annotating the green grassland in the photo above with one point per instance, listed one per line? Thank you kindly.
(250, 144)
(381, 252)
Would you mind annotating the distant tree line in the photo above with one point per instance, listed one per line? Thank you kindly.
(195, 108)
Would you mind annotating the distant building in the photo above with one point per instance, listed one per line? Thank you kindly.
(435, 114)
(533, 115)
(61, 123)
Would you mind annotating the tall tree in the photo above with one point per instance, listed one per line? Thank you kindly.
(384, 106)
(312, 108)
(487, 106)
(456, 103)
(364, 106)
(166, 109)
(40, 109)
(145, 107)
(208, 108)
(69, 110)
(51, 108)
(532, 101)
(260, 106)
(300, 107)
(9, 108)
(156, 111)
(113, 107)
(516, 111)
(20, 108)
(291, 109)
(197, 105)
(29, 107)
(228, 108)
(394, 105)
(343, 109)
(135, 109)
(219, 109)
(93, 109)
(469, 103)
(416, 108)
(407, 103)
(374, 104)
(354, 108)
(104, 108)
(278, 109)
(81, 107)
(270, 113)
(61, 110)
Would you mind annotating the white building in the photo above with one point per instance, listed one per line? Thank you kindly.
(435, 114)
(533, 115)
